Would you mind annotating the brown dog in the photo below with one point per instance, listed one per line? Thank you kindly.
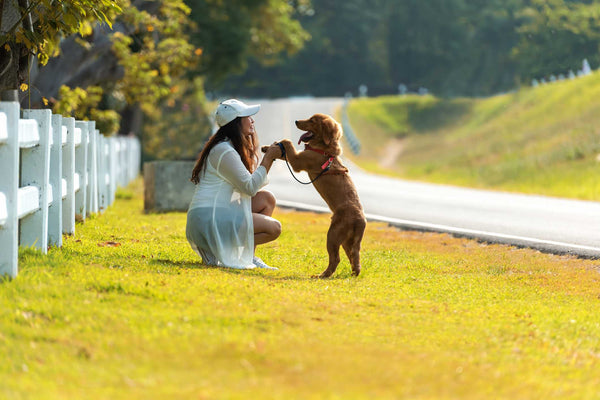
(320, 159)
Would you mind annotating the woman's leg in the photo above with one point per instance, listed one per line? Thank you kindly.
(263, 203)
(266, 229)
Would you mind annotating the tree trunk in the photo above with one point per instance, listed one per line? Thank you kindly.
(14, 58)
(132, 119)
(77, 66)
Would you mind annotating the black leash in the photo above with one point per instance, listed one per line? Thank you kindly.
(292, 172)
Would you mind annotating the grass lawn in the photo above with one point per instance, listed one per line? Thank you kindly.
(542, 140)
(126, 310)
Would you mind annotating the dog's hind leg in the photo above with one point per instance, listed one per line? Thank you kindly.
(352, 246)
(353, 254)
(335, 236)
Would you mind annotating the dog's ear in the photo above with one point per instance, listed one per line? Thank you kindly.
(332, 130)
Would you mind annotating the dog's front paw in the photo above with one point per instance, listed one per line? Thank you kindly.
(286, 142)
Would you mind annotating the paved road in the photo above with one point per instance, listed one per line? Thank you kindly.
(547, 224)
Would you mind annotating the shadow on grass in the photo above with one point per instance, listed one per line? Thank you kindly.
(255, 272)
(183, 264)
(424, 118)
(308, 278)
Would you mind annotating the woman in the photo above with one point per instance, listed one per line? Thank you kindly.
(229, 215)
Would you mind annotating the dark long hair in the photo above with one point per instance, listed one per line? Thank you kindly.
(245, 147)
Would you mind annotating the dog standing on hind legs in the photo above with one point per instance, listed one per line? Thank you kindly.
(321, 160)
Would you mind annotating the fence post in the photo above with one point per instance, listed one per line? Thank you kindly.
(55, 178)
(35, 168)
(114, 148)
(81, 170)
(92, 169)
(122, 161)
(9, 188)
(68, 172)
(102, 169)
(137, 158)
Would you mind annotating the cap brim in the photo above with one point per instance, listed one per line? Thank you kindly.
(250, 110)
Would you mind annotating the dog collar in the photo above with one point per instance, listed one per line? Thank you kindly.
(309, 147)
(327, 163)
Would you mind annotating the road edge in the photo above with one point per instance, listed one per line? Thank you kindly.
(546, 246)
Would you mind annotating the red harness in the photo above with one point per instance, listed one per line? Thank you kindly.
(327, 163)
(324, 168)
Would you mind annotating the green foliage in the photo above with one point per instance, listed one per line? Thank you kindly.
(126, 310)
(179, 130)
(154, 54)
(83, 104)
(557, 37)
(231, 31)
(451, 47)
(541, 140)
(158, 59)
(53, 22)
(224, 34)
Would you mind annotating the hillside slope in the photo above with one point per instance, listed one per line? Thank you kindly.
(543, 140)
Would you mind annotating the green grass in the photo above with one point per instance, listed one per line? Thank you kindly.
(541, 140)
(125, 310)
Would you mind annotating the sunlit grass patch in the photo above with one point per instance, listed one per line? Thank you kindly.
(126, 310)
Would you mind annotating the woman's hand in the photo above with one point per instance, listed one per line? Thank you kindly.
(272, 152)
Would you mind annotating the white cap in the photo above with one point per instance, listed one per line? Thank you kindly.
(230, 109)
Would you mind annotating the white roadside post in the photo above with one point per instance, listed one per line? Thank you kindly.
(92, 169)
(102, 174)
(56, 183)
(123, 151)
(68, 172)
(9, 188)
(35, 166)
(81, 170)
(114, 157)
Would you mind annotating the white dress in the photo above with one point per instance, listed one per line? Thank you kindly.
(219, 220)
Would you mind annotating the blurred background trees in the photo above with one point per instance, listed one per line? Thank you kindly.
(147, 67)
(450, 47)
(138, 66)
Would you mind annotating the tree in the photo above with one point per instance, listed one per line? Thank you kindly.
(119, 74)
(31, 28)
(451, 47)
(557, 37)
(152, 64)
(426, 41)
(230, 32)
(338, 58)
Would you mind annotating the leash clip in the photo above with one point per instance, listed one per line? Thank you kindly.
(327, 164)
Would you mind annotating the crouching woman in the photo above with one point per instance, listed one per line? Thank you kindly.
(229, 215)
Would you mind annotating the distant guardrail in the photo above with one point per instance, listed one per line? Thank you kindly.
(347, 128)
(52, 171)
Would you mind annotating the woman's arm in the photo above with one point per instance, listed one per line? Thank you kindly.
(229, 165)
(273, 151)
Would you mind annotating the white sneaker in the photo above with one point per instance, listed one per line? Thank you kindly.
(261, 264)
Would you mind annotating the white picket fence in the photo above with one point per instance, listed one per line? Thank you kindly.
(52, 171)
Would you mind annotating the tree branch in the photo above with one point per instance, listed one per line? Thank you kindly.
(24, 15)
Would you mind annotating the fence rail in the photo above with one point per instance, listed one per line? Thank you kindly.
(54, 170)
